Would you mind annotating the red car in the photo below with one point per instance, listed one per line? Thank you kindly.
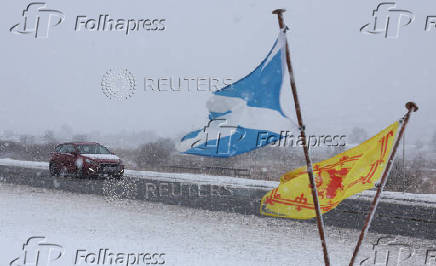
(85, 159)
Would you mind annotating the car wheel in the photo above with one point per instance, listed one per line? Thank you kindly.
(117, 177)
(53, 170)
(79, 174)
(63, 172)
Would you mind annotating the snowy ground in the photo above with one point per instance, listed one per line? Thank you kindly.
(186, 236)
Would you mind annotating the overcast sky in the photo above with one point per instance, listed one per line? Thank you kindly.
(345, 78)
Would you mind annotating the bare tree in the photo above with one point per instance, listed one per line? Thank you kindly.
(155, 153)
(49, 137)
(80, 137)
(419, 144)
(433, 142)
(358, 135)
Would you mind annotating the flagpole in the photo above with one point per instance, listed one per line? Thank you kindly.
(411, 107)
(319, 219)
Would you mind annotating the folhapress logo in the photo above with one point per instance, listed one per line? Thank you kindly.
(36, 252)
(37, 20)
(388, 251)
(388, 20)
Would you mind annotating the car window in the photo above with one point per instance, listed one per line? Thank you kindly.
(59, 148)
(62, 149)
(92, 149)
(68, 148)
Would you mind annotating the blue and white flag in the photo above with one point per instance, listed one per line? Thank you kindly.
(248, 114)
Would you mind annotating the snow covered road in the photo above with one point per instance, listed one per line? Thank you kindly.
(81, 225)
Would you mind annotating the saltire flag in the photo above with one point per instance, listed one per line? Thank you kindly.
(248, 114)
(337, 178)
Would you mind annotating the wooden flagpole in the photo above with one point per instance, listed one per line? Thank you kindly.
(411, 107)
(319, 219)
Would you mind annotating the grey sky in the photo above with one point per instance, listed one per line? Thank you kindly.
(345, 78)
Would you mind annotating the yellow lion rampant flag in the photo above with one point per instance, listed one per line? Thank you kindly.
(337, 178)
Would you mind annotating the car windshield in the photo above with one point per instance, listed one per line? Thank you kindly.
(92, 149)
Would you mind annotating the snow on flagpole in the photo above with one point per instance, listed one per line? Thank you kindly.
(319, 219)
(411, 107)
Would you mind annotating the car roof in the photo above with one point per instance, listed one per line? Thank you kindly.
(81, 143)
